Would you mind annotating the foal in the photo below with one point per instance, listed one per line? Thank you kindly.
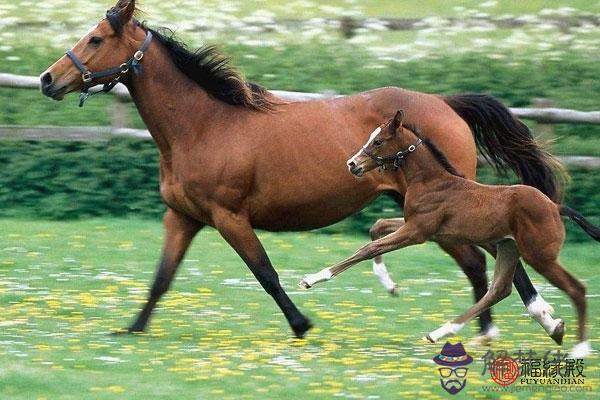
(442, 206)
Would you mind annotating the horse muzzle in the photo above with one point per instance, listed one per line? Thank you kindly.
(49, 88)
(355, 169)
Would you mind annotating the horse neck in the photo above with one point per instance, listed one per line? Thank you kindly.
(170, 104)
(421, 166)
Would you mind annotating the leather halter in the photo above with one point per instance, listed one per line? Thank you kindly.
(395, 159)
(88, 77)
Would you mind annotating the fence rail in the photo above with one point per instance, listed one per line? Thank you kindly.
(541, 115)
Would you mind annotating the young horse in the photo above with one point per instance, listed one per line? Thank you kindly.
(234, 157)
(444, 207)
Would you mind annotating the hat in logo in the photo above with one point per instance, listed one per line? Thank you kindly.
(453, 355)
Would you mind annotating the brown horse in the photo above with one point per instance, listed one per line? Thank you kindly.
(234, 157)
(441, 205)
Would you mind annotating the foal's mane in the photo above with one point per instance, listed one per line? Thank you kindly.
(437, 153)
(207, 67)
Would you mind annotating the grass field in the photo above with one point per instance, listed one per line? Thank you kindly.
(65, 285)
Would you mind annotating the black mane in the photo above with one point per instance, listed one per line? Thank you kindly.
(208, 68)
(437, 153)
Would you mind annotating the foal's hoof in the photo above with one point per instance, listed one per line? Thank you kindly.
(393, 291)
(304, 285)
(428, 339)
(300, 331)
(559, 332)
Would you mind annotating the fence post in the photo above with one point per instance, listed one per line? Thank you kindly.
(544, 131)
(119, 114)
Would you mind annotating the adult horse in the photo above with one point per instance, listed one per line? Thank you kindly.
(233, 156)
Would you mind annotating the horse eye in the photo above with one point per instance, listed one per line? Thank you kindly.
(95, 40)
(377, 142)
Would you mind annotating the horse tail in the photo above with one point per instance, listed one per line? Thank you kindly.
(506, 142)
(590, 229)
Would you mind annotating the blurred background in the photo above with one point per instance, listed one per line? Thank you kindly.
(529, 54)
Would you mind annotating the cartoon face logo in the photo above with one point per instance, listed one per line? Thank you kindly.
(452, 360)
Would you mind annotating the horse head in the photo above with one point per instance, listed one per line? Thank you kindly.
(104, 55)
(381, 141)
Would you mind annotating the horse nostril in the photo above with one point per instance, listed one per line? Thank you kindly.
(351, 164)
(46, 79)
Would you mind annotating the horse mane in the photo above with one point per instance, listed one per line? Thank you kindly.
(437, 153)
(208, 68)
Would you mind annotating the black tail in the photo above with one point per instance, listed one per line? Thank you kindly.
(590, 229)
(506, 142)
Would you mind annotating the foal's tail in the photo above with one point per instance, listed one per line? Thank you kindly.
(590, 229)
(505, 142)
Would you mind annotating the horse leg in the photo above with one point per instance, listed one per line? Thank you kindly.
(566, 282)
(179, 232)
(238, 232)
(506, 262)
(380, 229)
(472, 261)
(537, 307)
(407, 235)
(469, 258)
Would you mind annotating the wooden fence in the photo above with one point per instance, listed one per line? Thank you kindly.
(119, 120)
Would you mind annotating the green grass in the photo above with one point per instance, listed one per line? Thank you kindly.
(64, 286)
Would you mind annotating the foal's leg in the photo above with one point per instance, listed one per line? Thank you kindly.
(380, 229)
(179, 232)
(407, 235)
(537, 307)
(472, 261)
(506, 262)
(238, 232)
(566, 282)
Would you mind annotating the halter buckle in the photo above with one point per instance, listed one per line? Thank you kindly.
(412, 148)
(86, 77)
(138, 55)
(397, 162)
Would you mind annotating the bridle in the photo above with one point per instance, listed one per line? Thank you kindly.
(90, 77)
(395, 159)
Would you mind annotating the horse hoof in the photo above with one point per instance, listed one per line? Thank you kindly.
(127, 331)
(393, 291)
(428, 339)
(486, 337)
(559, 332)
(480, 341)
(304, 285)
(121, 332)
(300, 331)
(581, 350)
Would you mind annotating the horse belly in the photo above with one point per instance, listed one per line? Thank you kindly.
(302, 213)
(474, 227)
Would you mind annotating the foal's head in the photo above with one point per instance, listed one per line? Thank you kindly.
(386, 146)
(107, 45)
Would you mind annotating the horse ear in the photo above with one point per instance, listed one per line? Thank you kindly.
(126, 9)
(397, 120)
